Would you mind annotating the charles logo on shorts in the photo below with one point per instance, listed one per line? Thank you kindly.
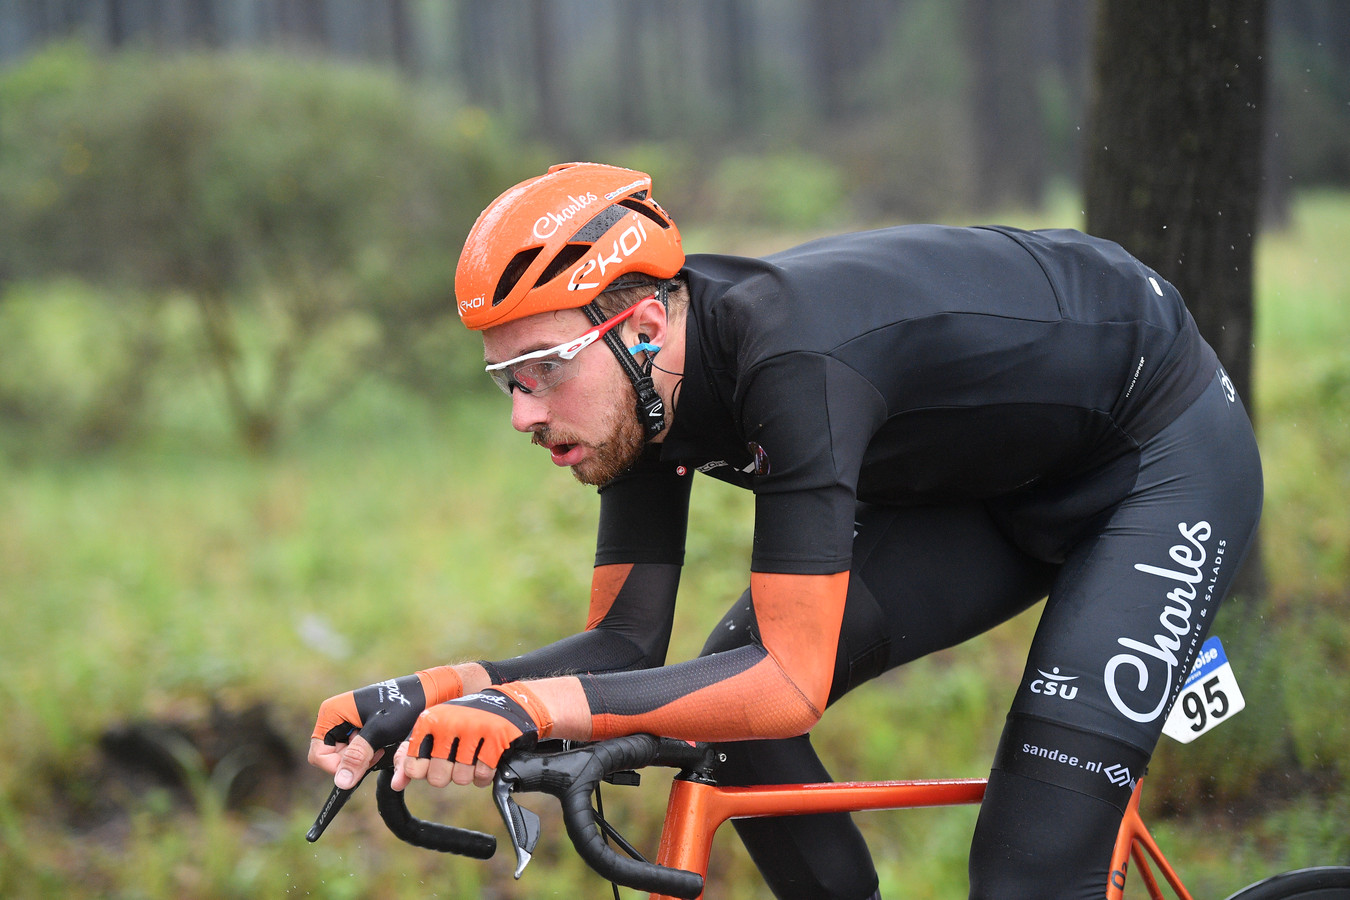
(1150, 667)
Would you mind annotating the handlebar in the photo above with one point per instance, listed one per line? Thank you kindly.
(393, 809)
(572, 776)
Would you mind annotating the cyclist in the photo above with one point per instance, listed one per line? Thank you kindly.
(941, 426)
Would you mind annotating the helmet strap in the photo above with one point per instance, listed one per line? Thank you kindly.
(651, 409)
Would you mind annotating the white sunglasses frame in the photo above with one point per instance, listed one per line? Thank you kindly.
(566, 351)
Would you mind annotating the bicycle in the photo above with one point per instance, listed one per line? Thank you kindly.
(698, 806)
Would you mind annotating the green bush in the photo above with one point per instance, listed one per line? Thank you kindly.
(73, 364)
(311, 213)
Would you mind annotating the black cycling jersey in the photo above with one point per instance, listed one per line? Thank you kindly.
(919, 364)
(964, 420)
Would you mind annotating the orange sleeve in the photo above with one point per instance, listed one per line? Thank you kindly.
(799, 620)
(777, 688)
(605, 584)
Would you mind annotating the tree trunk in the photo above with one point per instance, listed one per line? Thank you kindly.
(1174, 169)
(549, 111)
(1009, 50)
(1175, 159)
(402, 45)
(735, 67)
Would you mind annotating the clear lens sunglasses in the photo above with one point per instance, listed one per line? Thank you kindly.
(543, 370)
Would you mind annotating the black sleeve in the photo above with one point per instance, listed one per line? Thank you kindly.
(597, 650)
(634, 633)
(811, 417)
(643, 516)
(644, 513)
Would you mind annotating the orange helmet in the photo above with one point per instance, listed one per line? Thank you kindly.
(558, 240)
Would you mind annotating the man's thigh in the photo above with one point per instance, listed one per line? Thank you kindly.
(923, 579)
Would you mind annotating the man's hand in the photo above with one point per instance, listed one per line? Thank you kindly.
(383, 712)
(462, 741)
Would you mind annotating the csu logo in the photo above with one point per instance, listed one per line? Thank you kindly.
(1053, 684)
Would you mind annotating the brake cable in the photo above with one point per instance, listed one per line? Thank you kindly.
(608, 830)
(605, 829)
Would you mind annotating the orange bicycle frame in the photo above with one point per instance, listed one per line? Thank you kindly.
(1134, 841)
(696, 810)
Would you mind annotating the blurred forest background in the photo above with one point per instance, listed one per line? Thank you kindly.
(248, 457)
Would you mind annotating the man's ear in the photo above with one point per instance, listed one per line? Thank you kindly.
(650, 319)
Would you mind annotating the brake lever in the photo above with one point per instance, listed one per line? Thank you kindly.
(522, 825)
(338, 797)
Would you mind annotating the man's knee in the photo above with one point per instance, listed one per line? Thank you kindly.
(1051, 812)
(1041, 841)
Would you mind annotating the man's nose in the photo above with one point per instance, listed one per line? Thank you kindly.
(528, 411)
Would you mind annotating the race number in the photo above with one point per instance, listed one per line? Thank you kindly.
(1209, 696)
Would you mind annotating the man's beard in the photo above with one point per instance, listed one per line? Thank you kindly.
(615, 453)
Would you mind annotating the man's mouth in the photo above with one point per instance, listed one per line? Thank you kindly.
(566, 454)
(562, 452)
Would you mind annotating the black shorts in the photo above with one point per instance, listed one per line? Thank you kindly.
(1131, 588)
(1128, 605)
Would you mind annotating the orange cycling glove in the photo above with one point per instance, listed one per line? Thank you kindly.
(481, 727)
(385, 712)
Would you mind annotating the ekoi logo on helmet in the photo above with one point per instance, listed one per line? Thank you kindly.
(598, 266)
(556, 241)
(470, 304)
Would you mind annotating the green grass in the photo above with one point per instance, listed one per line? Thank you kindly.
(150, 580)
(1303, 406)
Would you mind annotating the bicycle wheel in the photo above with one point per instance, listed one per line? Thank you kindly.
(1320, 883)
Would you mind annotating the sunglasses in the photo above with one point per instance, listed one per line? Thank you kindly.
(543, 370)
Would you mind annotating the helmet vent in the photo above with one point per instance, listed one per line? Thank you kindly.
(562, 262)
(513, 272)
(593, 230)
(645, 210)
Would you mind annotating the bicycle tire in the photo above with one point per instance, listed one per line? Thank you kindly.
(1319, 883)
